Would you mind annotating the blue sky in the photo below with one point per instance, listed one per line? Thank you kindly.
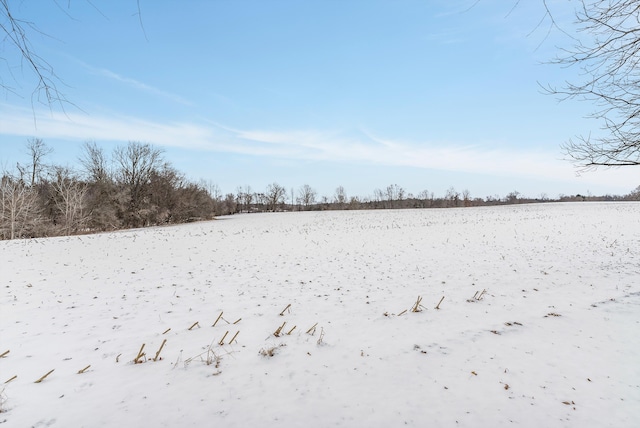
(353, 93)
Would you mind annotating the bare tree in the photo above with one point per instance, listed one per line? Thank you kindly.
(240, 206)
(275, 195)
(249, 197)
(94, 162)
(466, 197)
(355, 203)
(609, 58)
(380, 198)
(634, 195)
(136, 164)
(37, 150)
(261, 201)
(306, 196)
(340, 197)
(394, 193)
(452, 197)
(230, 204)
(424, 198)
(101, 201)
(215, 193)
(69, 199)
(512, 197)
(18, 206)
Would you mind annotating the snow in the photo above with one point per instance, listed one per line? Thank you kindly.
(552, 341)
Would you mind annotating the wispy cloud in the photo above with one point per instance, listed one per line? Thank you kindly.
(80, 127)
(136, 84)
(450, 37)
(359, 147)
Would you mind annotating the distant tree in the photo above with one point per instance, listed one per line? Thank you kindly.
(306, 196)
(275, 195)
(340, 197)
(634, 195)
(240, 199)
(94, 163)
(230, 204)
(164, 193)
(261, 201)
(425, 198)
(136, 162)
(101, 198)
(466, 197)
(325, 202)
(69, 198)
(192, 203)
(452, 197)
(18, 206)
(355, 203)
(215, 193)
(394, 193)
(512, 197)
(379, 198)
(103, 205)
(37, 150)
(248, 197)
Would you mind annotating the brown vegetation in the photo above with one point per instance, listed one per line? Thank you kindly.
(136, 187)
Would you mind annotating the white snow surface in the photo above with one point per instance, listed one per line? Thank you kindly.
(554, 340)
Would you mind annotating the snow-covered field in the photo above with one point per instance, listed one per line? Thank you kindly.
(539, 326)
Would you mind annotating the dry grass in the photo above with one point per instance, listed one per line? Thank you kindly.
(45, 376)
(221, 342)
(138, 358)
(217, 319)
(417, 307)
(197, 323)
(285, 310)
(270, 351)
(209, 357)
(159, 350)
(279, 330)
(479, 295)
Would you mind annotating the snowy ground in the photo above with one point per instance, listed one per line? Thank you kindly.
(554, 340)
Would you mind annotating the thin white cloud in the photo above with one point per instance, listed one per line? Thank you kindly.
(136, 84)
(363, 147)
(78, 126)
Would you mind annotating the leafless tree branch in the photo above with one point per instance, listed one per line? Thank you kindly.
(607, 52)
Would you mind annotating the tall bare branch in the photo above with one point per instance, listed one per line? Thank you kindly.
(607, 52)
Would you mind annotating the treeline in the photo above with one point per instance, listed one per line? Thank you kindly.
(135, 186)
(276, 198)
